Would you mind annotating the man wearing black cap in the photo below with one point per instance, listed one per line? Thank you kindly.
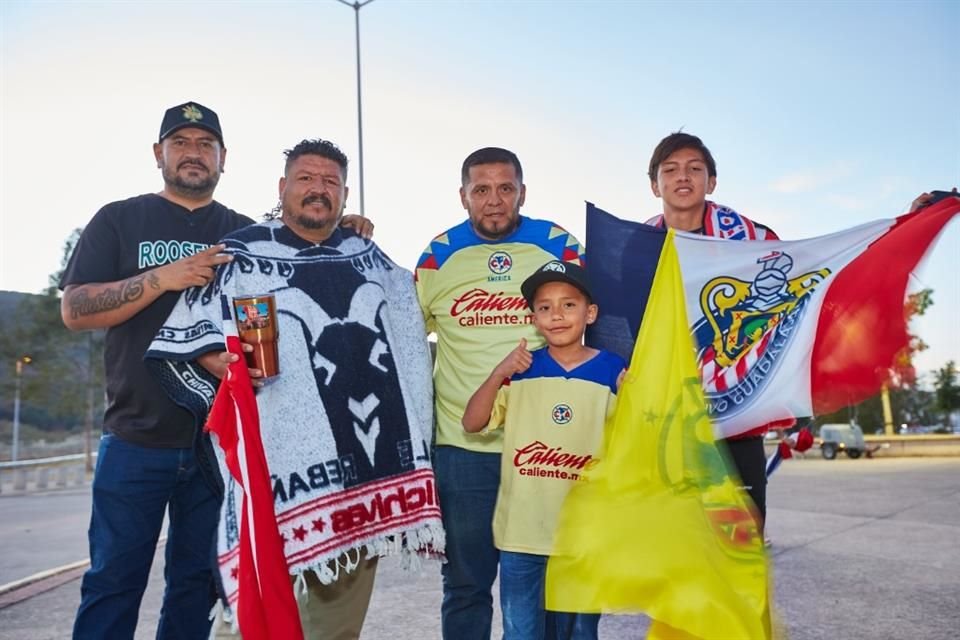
(125, 275)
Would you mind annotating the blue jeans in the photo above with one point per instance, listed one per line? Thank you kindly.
(521, 600)
(132, 489)
(467, 483)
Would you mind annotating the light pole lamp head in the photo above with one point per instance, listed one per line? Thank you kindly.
(22, 360)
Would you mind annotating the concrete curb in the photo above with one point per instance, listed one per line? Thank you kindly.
(42, 581)
(42, 575)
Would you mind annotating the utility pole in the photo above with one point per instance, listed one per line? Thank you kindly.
(357, 5)
(88, 421)
(887, 412)
(15, 449)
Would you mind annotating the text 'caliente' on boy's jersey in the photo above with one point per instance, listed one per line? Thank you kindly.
(552, 423)
(469, 290)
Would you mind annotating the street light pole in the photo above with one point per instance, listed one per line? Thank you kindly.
(88, 422)
(15, 450)
(357, 5)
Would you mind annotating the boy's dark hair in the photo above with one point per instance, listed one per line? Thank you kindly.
(489, 155)
(674, 142)
(318, 147)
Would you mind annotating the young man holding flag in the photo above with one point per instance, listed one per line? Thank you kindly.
(781, 329)
(682, 174)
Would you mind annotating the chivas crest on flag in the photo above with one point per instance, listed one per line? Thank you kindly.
(746, 324)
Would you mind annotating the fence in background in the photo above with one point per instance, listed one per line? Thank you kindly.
(41, 474)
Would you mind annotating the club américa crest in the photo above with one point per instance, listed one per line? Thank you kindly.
(500, 262)
(745, 327)
(562, 413)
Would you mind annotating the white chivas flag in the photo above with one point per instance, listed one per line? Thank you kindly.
(781, 329)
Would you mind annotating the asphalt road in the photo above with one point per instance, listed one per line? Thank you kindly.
(865, 549)
(42, 530)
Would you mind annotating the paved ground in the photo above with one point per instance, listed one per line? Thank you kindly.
(864, 549)
(58, 518)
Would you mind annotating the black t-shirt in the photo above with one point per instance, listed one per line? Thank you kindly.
(122, 240)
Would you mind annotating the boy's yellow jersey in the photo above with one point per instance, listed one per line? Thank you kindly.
(552, 422)
(469, 290)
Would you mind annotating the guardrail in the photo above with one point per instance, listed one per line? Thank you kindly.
(39, 462)
(908, 445)
(58, 472)
(903, 446)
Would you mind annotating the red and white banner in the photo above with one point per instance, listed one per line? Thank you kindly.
(782, 330)
(256, 576)
(801, 328)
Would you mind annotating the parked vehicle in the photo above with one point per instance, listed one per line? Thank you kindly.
(841, 437)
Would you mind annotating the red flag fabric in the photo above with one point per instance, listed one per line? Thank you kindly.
(265, 606)
(857, 339)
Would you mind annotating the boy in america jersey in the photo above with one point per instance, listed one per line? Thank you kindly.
(552, 404)
(469, 290)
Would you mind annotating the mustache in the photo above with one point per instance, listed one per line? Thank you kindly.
(319, 197)
(194, 163)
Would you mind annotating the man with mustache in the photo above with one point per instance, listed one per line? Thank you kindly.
(468, 282)
(344, 426)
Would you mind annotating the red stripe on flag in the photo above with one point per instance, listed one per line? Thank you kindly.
(264, 592)
(741, 367)
(760, 348)
(862, 323)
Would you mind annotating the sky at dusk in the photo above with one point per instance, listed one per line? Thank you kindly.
(820, 115)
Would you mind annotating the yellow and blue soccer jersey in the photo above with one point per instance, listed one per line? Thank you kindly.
(552, 422)
(469, 290)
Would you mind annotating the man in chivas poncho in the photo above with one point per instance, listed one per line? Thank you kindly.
(341, 433)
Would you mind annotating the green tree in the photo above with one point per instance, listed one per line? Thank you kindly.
(946, 390)
(902, 373)
(910, 405)
(64, 382)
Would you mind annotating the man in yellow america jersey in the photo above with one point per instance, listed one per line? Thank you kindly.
(468, 282)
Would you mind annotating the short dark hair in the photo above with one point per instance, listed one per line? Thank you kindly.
(490, 155)
(318, 147)
(673, 143)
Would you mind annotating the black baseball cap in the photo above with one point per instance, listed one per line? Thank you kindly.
(190, 114)
(556, 271)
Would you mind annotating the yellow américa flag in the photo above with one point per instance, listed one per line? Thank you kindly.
(658, 525)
